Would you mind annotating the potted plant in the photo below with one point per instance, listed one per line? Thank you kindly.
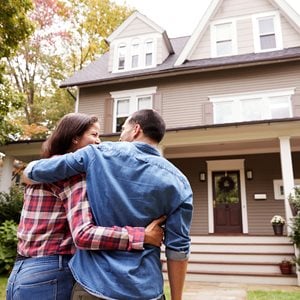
(286, 266)
(277, 224)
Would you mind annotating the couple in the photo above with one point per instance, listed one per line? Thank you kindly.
(129, 183)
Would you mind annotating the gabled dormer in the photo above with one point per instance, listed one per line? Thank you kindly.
(138, 44)
(240, 27)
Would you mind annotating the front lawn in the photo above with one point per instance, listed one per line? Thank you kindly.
(273, 295)
(3, 281)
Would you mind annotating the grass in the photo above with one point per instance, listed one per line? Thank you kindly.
(252, 295)
(3, 281)
(273, 295)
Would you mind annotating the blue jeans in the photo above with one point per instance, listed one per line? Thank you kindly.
(41, 278)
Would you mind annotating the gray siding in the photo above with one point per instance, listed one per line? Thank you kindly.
(266, 168)
(242, 11)
(189, 93)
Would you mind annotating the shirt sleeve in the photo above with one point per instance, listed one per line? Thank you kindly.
(88, 236)
(60, 167)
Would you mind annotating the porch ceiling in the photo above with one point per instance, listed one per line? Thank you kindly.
(230, 140)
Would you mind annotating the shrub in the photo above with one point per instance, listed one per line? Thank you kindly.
(8, 245)
(11, 204)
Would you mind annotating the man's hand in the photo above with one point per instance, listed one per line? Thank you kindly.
(154, 233)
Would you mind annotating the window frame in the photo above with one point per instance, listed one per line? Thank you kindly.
(213, 30)
(133, 96)
(263, 96)
(277, 31)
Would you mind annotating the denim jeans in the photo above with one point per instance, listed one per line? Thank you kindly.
(40, 278)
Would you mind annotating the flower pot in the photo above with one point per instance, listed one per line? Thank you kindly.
(285, 268)
(278, 229)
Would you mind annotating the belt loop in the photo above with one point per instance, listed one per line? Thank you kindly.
(60, 262)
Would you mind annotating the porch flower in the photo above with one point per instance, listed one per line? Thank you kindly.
(277, 220)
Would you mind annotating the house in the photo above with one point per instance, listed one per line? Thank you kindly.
(230, 96)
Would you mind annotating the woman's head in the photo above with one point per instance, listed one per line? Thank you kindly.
(74, 131)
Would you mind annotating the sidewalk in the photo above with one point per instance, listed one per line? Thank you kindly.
(226, 291)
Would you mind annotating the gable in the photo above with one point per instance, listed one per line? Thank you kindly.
(242, 18)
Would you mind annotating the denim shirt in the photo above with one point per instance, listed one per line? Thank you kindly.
(127, 184)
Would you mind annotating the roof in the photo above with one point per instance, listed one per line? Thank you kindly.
(177, 62)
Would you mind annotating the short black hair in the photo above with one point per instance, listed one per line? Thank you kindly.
(151, 122)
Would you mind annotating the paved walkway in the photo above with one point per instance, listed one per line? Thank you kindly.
(229, 291)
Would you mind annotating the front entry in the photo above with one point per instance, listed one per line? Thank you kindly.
(227, 202)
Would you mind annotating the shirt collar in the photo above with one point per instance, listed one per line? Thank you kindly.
(146, 148)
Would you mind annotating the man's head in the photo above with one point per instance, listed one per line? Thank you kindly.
(145, 124)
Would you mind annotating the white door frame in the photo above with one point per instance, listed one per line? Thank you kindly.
(226, 165)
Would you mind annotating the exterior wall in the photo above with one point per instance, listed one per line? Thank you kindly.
(242, 11)
(189, 93)
(136, 28)
(266, 168)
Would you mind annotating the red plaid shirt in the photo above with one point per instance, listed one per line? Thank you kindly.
(55, 216)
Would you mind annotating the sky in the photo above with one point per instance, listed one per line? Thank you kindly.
(178, 17)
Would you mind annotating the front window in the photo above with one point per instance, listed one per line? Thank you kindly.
(251, 107)
(127, 102)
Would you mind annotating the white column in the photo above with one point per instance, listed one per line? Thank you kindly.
(6, 175)
(287, 176)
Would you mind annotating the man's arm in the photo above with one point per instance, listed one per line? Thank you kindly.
(88, 236)
(176, 274)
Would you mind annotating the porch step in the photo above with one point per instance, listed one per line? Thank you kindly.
(239, 259)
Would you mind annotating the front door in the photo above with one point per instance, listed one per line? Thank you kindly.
(227, 202)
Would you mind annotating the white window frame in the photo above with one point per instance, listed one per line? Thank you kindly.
(213, 31)
(278, 188)
(133, 96)
(277, 29)
(128, 42)
(263, 95)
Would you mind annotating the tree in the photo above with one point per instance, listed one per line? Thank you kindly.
(68, 34)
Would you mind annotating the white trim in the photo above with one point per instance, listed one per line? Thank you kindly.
(227, 165)
(132, 96)
(278, 188)
(213, 27)
(277, 31)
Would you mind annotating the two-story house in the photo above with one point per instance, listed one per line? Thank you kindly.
(230, 96)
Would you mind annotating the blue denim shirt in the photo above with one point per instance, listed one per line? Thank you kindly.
(127, 184)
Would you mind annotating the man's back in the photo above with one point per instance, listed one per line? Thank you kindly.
(133, 186)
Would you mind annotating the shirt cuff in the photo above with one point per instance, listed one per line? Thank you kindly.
(27, 171)
(136, 238)
(176, 255)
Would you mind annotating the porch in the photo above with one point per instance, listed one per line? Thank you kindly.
(239, 259)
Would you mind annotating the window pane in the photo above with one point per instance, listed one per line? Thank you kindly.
(251, 109)
(120, 122)
(135, 61)
(223, 112)
(123, 107)
(266, 26)
(149, 47)
(268, 42)
(121, 55)
(148, 59)
(223, 32)
(224, 48)
(144, 102)
(280, 107)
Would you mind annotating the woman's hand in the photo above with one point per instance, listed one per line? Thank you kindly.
(154, 233)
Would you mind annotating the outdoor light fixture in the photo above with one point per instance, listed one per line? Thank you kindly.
(249, 174)
(202, 176)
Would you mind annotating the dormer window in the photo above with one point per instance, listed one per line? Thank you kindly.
(121, 57)
(267, 32)
(134, 54)
(223, 36)
(148, 53)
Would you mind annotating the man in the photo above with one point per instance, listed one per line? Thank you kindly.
(129, 183)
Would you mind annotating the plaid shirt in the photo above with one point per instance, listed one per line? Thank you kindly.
(55, 216)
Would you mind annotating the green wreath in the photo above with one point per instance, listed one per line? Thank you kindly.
(226, 184)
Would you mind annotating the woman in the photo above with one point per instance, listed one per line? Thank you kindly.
(56, 217)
